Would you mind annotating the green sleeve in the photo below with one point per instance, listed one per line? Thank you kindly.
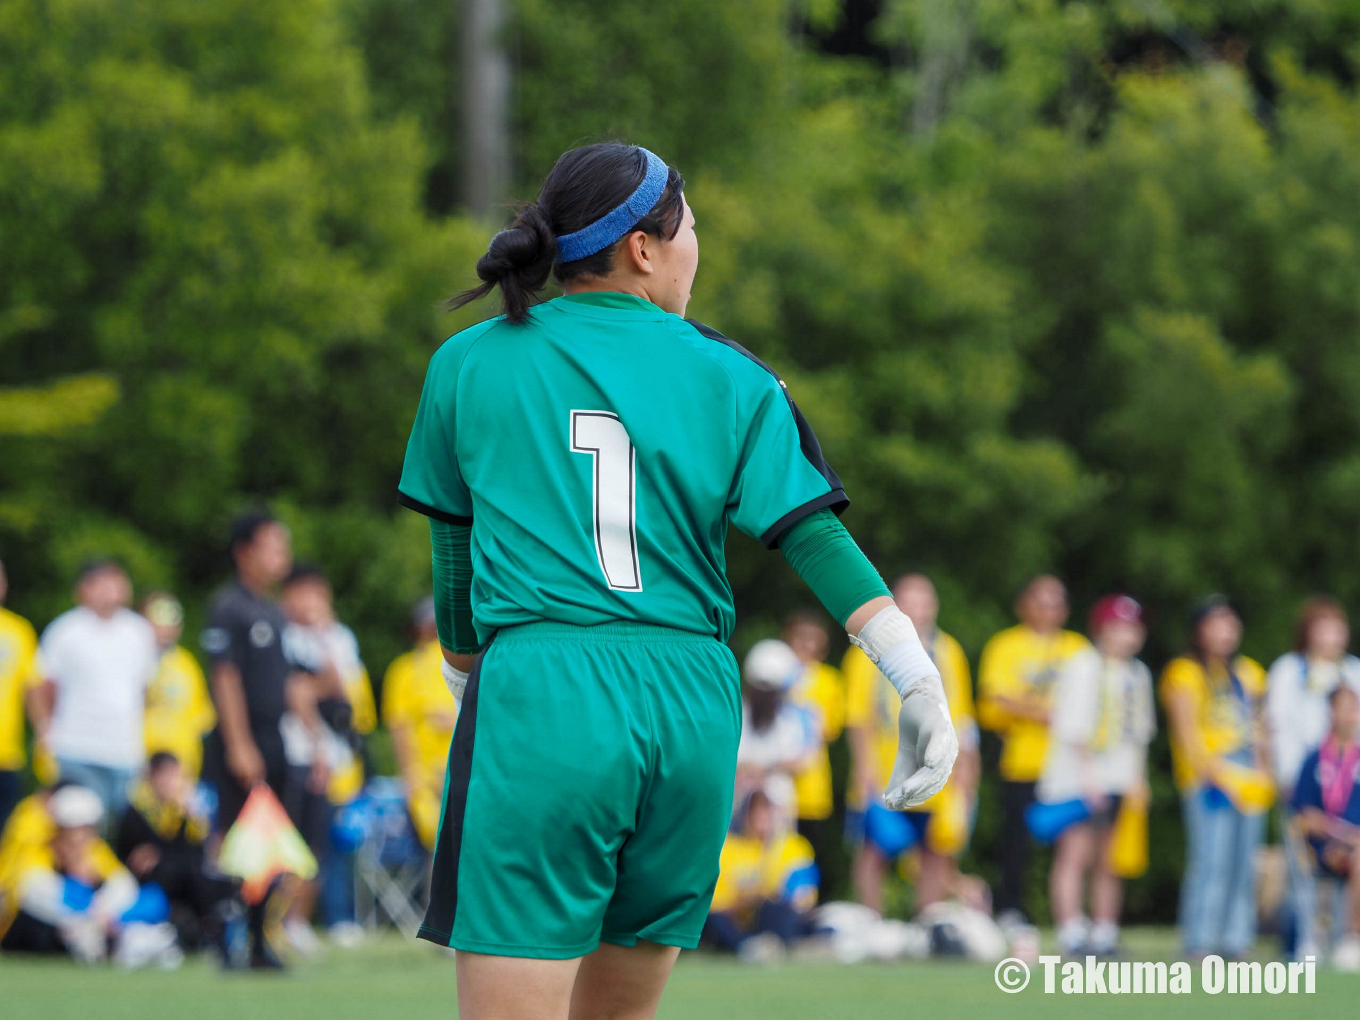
(827, 559)
(451, 556)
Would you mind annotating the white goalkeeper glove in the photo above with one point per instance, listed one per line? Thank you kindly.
(926, 742)
(456, 680)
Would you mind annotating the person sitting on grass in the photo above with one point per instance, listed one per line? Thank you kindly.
(161, 840)
(767, 885)
(1327, 809)
(72, 895)
(1103, 720)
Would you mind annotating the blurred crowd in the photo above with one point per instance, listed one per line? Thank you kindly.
(140, 761)
(1074, 715)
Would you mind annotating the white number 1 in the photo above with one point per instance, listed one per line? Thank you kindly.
(602, 435)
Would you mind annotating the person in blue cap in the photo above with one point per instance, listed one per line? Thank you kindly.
(580, 460)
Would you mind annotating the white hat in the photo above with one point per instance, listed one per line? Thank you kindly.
(771, 665)
(73, 807)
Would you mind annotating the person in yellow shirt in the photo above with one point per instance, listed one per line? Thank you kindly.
(820, 691)
(69, 893)
(18, 674)
(767, 885)
(179, 712)
(420, 713)
(939, 827)
(1213, 698)
(1015, 686)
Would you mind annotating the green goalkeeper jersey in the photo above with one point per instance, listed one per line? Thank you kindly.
(599, 451)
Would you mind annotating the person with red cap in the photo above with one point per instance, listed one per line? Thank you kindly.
(1103, 721)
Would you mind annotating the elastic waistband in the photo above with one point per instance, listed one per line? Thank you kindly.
(621, 631)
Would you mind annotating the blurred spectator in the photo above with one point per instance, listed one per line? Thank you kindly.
(161, 839)
(18, 673)
(767, 885)
(1297, 689)
(820, 692)
(1213, 700)
(98, 659)
(1103, 720)
(249, 673)
(329, 745)
(939, 827)
(420, 713)
(313, 693)
(1327, 813)
(778, 739)
(28, 830)
(1015, 691)
(179, 712)
(71, 895)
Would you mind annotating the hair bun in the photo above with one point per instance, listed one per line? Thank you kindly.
(526, 248)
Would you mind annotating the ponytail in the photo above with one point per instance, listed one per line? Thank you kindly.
(518, 261)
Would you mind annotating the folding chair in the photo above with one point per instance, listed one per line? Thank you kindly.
(389, 862)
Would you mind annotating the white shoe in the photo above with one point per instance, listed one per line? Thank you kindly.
(302, 937)
(142, 945)
(346, 935)
(85, 940)
(761, 949)
(1346, 956)
(1073, 936)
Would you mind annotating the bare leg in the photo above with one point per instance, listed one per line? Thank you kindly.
(869, 868)
(303, 901)
(622, 982)
(934, 878)
(511, 988)
(1107, 890)
(1069, 864)
(1353, 893)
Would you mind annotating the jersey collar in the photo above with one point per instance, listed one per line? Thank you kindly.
(608, 300)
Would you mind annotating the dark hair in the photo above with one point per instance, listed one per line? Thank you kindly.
(303, 573)
(97, 565)
(804, 618)
(245, 527)
(160, 760)
(1205, 608)
(583, 185)
(1319, 607)
(1339, 690)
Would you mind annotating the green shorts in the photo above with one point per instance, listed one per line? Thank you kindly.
(588, 792)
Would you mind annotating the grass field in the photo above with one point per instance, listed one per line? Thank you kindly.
(395, 980)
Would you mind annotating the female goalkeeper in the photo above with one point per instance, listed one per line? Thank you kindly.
(580, 461)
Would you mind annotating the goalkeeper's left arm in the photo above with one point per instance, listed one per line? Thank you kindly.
(828, 560)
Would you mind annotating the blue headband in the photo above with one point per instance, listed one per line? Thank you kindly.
(618, 221)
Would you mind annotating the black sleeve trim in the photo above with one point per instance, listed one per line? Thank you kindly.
(835, 499)
(429, 511)
(807, 439)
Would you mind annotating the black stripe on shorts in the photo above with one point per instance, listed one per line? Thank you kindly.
(438, 926)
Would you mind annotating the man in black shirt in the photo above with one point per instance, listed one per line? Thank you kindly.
(250, 671)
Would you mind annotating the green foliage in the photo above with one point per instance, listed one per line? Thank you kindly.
(1064, 286)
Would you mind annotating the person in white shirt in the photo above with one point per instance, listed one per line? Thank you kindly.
(778, 738)
(1103, 721)
(97, 661)
(1297, 719)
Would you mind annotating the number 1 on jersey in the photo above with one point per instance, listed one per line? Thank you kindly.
(602, 435)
